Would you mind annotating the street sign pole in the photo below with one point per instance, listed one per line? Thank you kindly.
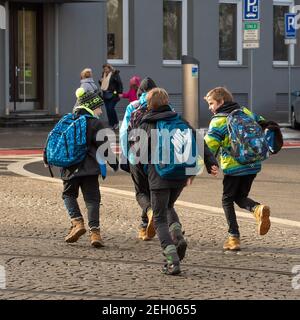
(290, 40)
(251, 37)
(251, 79)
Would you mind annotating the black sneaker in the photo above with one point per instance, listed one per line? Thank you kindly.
(171, 269)
(181, 248)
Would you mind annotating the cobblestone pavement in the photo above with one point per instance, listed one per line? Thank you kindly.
(40, 265)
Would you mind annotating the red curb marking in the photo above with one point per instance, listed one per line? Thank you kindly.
(291, 143)
(20, 152)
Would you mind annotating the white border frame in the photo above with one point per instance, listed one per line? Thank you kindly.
(184, 38)
(125, 59)
(290, 4)
(239, 34)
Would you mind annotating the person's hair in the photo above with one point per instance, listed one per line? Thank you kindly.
(86, 73)
(157, 97)
(219, 94)
(109, 66)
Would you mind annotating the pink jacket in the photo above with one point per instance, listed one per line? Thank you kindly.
(131, 95)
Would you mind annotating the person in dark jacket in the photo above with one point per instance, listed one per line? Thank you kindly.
(164, 192)
(85, 176)
(111, 86)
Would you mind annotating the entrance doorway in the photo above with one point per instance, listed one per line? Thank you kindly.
(26, 57)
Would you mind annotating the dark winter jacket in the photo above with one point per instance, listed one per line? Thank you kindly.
(90, 165)
(148, 123)
(115, 86)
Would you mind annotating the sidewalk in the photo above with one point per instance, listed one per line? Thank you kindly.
(40, 265)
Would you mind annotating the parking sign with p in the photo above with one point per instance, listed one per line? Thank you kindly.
(290, 25)
(251, 10)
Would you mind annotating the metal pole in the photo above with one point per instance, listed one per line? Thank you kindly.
(251, 79)
(7, 57)
(289, 75)
(56, 59)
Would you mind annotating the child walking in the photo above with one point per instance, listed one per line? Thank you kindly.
(238, 178)
(85, 175)
(165, 192)
(134, 84)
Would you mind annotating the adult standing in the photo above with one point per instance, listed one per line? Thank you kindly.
(87, 82)
(111, 86)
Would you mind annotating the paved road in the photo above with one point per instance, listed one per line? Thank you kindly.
(40, 265)
(278, 185)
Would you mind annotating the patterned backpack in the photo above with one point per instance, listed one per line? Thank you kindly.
(247, 139)
(66, 144)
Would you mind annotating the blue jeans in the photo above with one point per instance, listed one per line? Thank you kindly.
(111, 111)
(89, 186)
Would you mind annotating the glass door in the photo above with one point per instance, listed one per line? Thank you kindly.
(26, 57)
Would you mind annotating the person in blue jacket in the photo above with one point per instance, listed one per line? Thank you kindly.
(138, 175)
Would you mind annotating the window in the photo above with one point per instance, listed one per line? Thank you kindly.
(174, 30)
(117, 31)
(280, 49)
(230, 32)
(2, 17)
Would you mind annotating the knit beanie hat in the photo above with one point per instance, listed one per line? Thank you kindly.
(88, 99)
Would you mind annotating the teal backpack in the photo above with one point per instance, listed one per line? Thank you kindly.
(177, 154)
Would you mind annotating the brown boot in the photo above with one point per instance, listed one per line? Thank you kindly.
(262, 216)
(150, 230)
(76, 231)
(96, 240)
(232, 243)
(142, 234)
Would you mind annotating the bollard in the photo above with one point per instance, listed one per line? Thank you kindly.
(190, 69)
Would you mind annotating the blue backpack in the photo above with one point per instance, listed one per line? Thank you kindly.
(177, 155)
(247, 139)
(66, 144)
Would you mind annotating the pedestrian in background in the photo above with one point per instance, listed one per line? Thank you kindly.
(134, 84)
(111, 87)
(87, 82)
(238, 178)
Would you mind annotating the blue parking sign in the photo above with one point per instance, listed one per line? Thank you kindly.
(251, 10)
(290, 26)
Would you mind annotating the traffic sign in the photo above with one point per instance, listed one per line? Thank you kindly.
(290, 26)
(251, 35)
(251, 10)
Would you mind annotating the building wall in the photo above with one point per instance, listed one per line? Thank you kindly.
(203, 28)
(82, 43)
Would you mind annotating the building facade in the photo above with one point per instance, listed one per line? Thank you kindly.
(47, 43)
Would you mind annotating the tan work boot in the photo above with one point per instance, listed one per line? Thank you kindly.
(96, 240)
(262, 216)
(232, 243)
(150, 231)
(76, 231)
(142, 234)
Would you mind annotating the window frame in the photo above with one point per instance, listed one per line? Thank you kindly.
(184, 38)
(125, 35)
(239, 34)
(290, 4)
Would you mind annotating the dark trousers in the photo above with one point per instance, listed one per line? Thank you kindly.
(162, 203)
(89, 186)
(111, 112)
(236, 190)
(142, 191)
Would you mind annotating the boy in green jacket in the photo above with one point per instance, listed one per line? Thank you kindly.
(238, 178)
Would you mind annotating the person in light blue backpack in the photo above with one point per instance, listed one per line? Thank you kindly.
(85, 174)
(238, 174)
